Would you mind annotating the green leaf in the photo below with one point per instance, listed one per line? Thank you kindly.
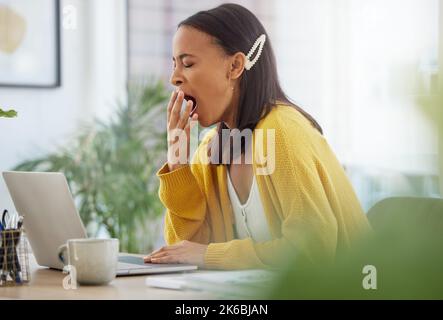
(8, 114)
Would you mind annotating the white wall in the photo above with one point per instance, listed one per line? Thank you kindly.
(93, 76)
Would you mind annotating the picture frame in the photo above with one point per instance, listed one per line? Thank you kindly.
(30, 56)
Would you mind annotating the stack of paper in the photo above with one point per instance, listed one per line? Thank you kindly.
(245, 283)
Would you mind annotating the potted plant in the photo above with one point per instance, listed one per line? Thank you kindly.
(111, 169)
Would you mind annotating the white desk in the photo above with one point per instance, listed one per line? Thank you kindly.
(47, 284)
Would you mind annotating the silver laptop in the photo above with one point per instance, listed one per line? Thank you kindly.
(51, 218)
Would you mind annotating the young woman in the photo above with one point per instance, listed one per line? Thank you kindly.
(227, 216)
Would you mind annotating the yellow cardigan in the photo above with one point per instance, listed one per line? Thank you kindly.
(310, 205)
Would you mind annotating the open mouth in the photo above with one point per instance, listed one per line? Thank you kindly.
(194, 104)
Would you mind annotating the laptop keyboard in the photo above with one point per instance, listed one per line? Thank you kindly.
(132, 260)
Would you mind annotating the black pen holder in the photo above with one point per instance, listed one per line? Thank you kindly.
(14, 259)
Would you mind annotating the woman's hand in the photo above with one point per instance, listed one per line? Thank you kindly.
(183, 252)
(178, 124)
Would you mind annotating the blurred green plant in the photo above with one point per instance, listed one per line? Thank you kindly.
(404, 252)
(110, 167)
(8, 114)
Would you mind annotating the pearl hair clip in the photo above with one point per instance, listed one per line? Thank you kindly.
(259, 43)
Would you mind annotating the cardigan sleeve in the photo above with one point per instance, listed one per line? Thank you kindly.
(185, 217)
(308, 225)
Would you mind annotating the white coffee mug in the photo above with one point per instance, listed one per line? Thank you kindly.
(95, 260)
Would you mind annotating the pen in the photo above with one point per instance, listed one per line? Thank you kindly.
(3, 222)
(13, 222)
(18, 277)
(20, 222)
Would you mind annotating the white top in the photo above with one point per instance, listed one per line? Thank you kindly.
(250, 219)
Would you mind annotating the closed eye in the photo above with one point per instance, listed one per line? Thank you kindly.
(184, 65)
